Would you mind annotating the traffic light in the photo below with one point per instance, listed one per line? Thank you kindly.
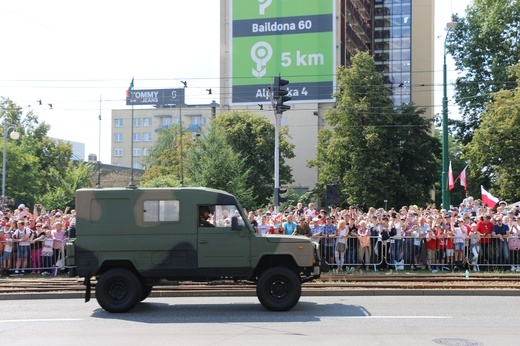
(280, 94)
(278, 196)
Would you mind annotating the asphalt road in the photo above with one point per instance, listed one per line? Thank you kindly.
(351, 320)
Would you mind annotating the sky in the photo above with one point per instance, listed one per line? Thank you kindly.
(80, 56)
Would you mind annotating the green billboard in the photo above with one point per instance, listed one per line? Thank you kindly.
(290, 38)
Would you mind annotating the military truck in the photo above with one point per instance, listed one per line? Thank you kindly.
(132, 239)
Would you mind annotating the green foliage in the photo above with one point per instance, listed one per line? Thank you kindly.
(373, 151)
(252, 137)
(162, 181)
(38, 168)
(458, 163)
(493, 153)
(168, 155)
(62, 192)
(483, 44)
(214, 163)
(293, 197)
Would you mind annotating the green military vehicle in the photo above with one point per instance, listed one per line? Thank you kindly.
(131, 239)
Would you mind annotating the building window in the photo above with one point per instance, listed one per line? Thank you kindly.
(147, 122)
(165, 122)
(136, 137)
(118, 152)
(137, 122)
(146, 151)
(136, 152)
(118, 122)
(196, 121)
(147, 137)
(136, 165)
(118, 137)
(160, 211)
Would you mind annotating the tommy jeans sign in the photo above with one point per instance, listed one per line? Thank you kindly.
(158, 97)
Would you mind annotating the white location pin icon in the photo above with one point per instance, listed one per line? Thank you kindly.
(261, 53)
(263, 5)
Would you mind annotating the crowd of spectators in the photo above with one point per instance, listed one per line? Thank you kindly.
(469, 236)
(34, 242)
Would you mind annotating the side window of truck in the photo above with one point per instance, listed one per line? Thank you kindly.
(223, 214)
(161, 211)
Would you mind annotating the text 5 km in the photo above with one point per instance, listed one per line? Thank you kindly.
(302, 59)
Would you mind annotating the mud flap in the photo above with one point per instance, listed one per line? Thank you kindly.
(324, 266)
(86, 282)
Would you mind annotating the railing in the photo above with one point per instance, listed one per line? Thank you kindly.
(403, 253)
(34, 262)
(410, 253)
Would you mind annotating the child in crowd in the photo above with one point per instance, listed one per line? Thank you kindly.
(8, 250)
(431, 247)
(47, 251)
(474, 246)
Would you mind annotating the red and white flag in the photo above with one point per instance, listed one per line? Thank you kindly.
(451, 183)
(463, 179)
(488, 198)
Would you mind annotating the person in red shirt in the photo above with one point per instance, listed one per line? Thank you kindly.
(431, 246)
(448, 235)
(441, 246)
(485, 227)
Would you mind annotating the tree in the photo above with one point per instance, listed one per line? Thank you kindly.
(38, 166)
(458, 164)
(214, 163)
(373, 151)
(252, 137)
(168, 155)
(63, 192)
(493, 153)
(483, 44)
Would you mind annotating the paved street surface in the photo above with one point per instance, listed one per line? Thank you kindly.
(355, 320)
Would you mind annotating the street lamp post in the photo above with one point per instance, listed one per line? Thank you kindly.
(14, 136)
(445, 160)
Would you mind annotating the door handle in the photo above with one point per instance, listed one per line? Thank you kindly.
(203, 241)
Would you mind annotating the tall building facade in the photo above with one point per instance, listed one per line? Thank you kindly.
(264, 39)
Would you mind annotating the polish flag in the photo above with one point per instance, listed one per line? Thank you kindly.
(451, 183)
(488, 198)
(463, 180)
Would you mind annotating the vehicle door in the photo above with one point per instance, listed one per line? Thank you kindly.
(218, 244)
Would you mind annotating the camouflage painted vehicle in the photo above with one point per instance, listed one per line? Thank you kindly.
(130, 239)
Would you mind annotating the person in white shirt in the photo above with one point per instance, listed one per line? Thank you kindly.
(22, 237)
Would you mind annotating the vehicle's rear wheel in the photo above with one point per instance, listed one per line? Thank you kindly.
(118, 290)
(279, 289)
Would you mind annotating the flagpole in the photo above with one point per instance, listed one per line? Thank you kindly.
(131, 185)
(98, 185)
(130, 91)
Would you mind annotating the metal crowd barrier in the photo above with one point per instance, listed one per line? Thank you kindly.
(35, 263)
(410, 253)
(405, 253)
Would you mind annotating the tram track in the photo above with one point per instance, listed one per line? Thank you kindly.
(35, 286)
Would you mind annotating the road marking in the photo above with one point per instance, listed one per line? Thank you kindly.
(42, 320)
(390, 317)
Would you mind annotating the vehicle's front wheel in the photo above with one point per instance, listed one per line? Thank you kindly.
(118, 290)
(279, 289)
(146, 290)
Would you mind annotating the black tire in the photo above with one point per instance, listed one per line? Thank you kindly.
(146, 290)
(118, 290)
(279, 289)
